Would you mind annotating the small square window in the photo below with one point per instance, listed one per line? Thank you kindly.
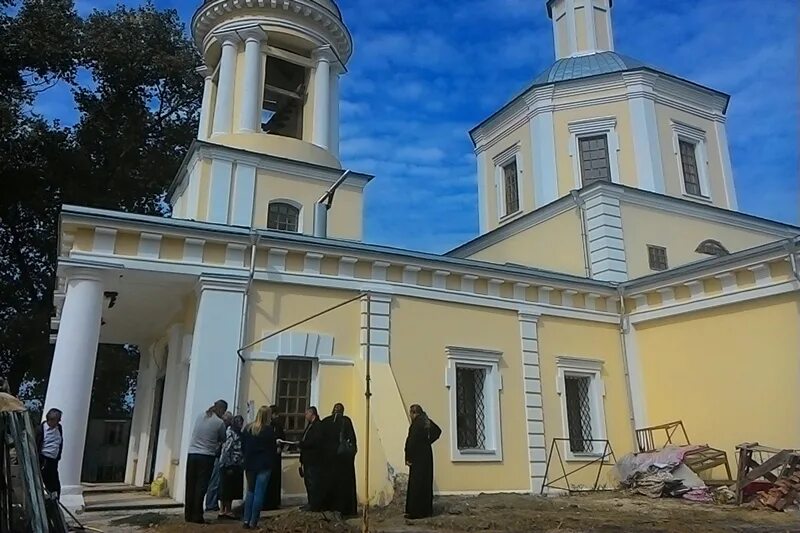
(691, 175)
(594, 159)
(657, 257)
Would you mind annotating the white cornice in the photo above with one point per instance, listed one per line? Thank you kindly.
(473, 354)
(306, 17)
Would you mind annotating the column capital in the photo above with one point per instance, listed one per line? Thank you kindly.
(83, 272)
(253, 33)
(324, 53)
(228, 38)
(220, 283)
(204, 71)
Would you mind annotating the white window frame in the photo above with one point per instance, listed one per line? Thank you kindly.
(291, 202)
(488, 360)
(313, 400)
(591, 127)
(696, 136)
(509, 155)
(591, 368)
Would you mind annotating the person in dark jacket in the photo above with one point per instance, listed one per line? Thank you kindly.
(50, 444)
(312, 460)
(341, 449)
(419, 458)
(273, 499)
(258, 447)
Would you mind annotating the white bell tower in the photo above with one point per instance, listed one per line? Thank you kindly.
(272, 75)
(581, 27)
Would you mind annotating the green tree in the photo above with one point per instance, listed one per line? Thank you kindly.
(138, 115)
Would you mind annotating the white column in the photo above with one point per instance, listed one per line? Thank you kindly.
(171, 404)
(253, 89)
(223, 108)
(322, 96)
(333, 145)
(69, 387)
(483, 192)
(146, 382)
(136, 424)
(635, 378)
(213, 361)
(177, 488)
(205, 107)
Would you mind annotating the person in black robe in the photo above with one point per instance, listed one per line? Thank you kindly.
(312, 461)
(273, 497)
(341, 449)
(419, 457)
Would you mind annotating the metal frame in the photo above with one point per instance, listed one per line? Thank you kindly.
(600, 460)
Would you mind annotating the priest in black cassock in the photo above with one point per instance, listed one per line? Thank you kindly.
(272, 500)
(340, 437)
(419, 457)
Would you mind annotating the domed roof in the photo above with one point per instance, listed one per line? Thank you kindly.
(573, 68)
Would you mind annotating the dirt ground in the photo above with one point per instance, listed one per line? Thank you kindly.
(609, 512)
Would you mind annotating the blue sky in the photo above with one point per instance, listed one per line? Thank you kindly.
(424, 73)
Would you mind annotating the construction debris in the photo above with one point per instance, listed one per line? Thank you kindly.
(783, 494)
(775, 471)
(662, 473)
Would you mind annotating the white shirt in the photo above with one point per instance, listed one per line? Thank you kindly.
(52, 442)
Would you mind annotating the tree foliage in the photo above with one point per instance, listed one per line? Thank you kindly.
(131, 74)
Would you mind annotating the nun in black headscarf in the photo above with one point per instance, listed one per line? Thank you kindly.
(419, 457)
(340, 437)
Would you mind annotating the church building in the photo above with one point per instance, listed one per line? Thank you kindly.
(614, 284)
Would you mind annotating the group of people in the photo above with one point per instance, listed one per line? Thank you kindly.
(222, 452)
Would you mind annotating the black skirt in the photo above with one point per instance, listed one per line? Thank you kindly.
(231, 483)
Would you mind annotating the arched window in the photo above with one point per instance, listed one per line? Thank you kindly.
(283, 216)
(711, 247)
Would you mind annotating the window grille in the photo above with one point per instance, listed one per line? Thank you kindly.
(471, 408)
(511, 187)
(294, 395)
(691, 177)
(283, 216)
(594, 159)
(657, 257)
(579, 413)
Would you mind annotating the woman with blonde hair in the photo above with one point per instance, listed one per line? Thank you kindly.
(258, 446)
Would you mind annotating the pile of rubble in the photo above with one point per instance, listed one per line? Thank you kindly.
(784, 493)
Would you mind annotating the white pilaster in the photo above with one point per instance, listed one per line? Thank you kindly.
(177, 490)
(223, 108)
(532, 386)
(483, 196)
(69, 387)
(376, 316)
(605, 239)
(205, 108)
(146, 381)
(214, 363)
(545, 175)
(219, 199)
(644, 126)
(244, 194)
(323, 57)
(253, 90)
(171, 404)
(725, 160)
(333, 144)
(136, 424)
(636, 381)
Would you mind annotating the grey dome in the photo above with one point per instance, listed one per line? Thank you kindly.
(573, 68)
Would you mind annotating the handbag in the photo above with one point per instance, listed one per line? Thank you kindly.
(347, 447)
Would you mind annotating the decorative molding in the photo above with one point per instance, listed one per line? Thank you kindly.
(379, 270)
(376, 327)
(594, 126)
(696, 288)
(762, 274)
(697, 137)
(520, 291)
(312, 262)
(566, 297)
(468, 283)
(149, 245)
(728, 281)
(494, 287)
(591, 368)
(410, 274)
(105, 240)
(605, 241)
(276, 259)
(473, 354)
(347, 266)
(440, 279)
(667, 295)
(193, 250)
(580, 363)
(544, 294)
(234, 254)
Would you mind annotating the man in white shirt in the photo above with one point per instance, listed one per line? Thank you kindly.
(50, 443)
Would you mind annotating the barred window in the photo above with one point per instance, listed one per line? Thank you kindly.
(579, 412)
(657, 257)
(470, 408)
(691, 176)
(511, 187)
(283, 216)
(594, 159)
(293, 394)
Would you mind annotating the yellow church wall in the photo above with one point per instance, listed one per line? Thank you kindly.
(563, 138)
(731, 373)
(554, 244)
(522, 137)
(560, 337)
(421, 330)
(679, 234)
(665, 116)
(344, 218)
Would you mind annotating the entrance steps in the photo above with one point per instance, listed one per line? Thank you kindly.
(121, 497)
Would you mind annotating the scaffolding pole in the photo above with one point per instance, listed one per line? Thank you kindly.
(368, 397)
